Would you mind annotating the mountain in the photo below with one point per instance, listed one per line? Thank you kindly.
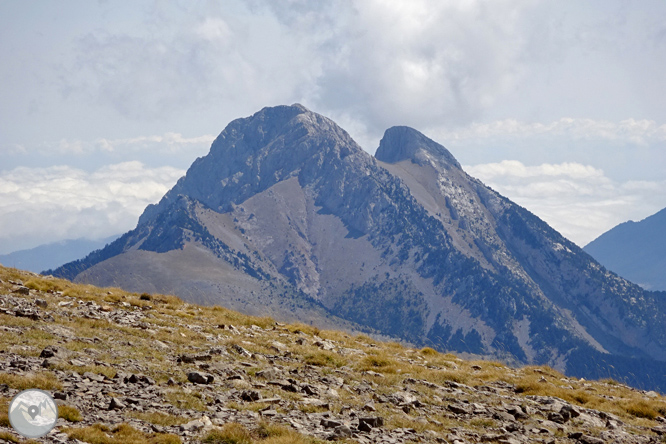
(47, 256)
(146, 368)
(635, 251)
(287, 216)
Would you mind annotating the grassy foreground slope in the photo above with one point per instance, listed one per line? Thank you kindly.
(152, 369)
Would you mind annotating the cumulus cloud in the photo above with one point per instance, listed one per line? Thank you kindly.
(579, 201)
(383, 63)
(40, 205)
(418, 62)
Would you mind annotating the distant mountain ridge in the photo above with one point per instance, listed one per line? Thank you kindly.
(635, 251)
(53, 255)
(288, 216)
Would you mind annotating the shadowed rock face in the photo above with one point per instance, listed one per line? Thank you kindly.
(288, 216)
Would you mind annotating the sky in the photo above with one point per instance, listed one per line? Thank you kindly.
(105, 104)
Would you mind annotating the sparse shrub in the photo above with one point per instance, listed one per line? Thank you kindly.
(145, 297)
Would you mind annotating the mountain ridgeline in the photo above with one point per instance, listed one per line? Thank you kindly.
(635, 251)
(287, 216)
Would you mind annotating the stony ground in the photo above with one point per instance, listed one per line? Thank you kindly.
(151, 369)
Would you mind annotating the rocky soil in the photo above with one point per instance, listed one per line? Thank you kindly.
(176, 372)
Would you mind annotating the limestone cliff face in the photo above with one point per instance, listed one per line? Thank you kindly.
(288, 216)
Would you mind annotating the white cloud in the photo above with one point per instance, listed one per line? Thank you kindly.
(491, 80)
(194, 61)
(514, 168)
(641, 132)
(39, 205)
(421, 62)
(383, 63)
(168, 143)
(577, 200)
(172, 142)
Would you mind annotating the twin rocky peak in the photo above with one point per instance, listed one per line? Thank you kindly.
(288, 217)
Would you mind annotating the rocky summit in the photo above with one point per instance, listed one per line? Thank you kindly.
(288, 217)
(150, 369)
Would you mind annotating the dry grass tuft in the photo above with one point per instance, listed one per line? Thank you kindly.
(45, 285)
(4, 411)
(6, 436)
(69, 413)
(323, 358)
(109, 372)
(303, 328)
(427, 351)
(232, 433)
(43, 381)
(380, 362)
(159, 418)
(640, 409)
(265, 433)
(184, 400)
(288, 436)
(120, 434)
